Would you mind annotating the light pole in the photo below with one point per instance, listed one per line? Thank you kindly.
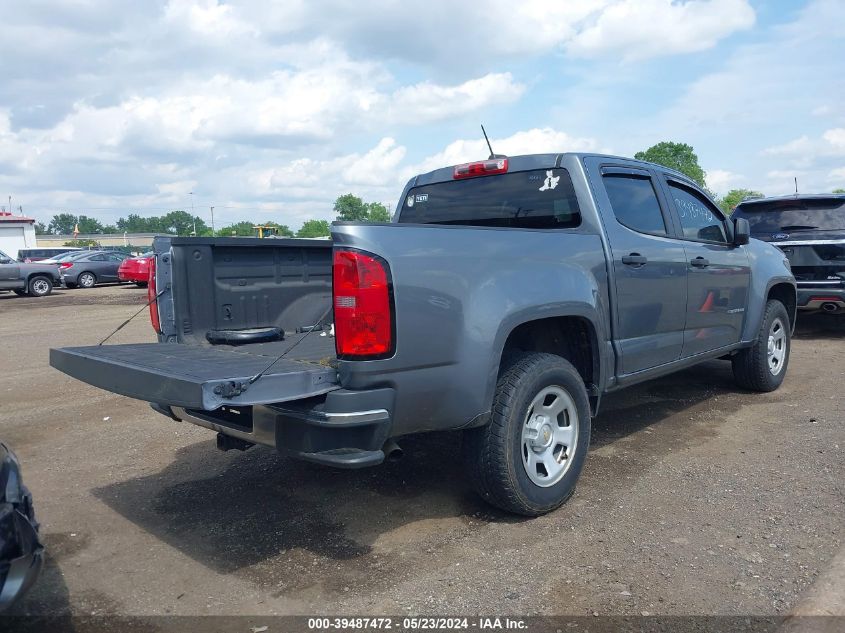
(193, 217)
(212, 220)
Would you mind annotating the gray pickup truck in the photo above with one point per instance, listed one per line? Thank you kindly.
(505, 298)
(32, 279)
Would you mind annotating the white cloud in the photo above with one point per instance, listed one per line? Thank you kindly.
(207, 17)
(805, 151)
(721, 180)
(639, 29)
(836, 138)
(837, 176)
(427, 101)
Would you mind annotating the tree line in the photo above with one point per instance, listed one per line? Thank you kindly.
(347, 207)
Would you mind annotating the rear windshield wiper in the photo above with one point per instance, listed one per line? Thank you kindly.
(798, 227)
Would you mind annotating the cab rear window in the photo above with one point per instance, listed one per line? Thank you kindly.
(539, 199)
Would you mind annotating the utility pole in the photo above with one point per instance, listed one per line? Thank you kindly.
(212, 220)
(193, 217)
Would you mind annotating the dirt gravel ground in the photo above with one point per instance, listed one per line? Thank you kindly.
(697, 498)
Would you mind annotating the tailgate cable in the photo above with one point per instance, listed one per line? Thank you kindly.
(126, 322)
(283, 354)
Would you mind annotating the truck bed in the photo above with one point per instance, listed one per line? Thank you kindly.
(203, 376)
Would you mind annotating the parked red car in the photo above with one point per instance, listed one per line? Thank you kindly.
(135, 269)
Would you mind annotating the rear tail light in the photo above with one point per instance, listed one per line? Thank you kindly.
(481, 168)
(363, 306)
(65, 265)
(151, 296)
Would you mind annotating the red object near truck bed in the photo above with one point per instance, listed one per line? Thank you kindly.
(135, 269)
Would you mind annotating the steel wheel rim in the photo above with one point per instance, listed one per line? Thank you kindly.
(549, 436)
(776, 347)
(86, 280)
(39, 286)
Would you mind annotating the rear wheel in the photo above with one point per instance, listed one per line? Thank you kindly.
(40, 286)
(527, 459)
(762, 367)
(86, 280)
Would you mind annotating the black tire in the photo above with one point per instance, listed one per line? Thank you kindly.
(751, 366)
(40, 286)
(86, 279)
(493, 454)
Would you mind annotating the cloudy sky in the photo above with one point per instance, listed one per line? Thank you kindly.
(270, 110)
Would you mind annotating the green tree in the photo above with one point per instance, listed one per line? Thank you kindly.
(839, 190)
(735, 196)
(40, 228)
(62, 224)
(183, 223)
(350, 208)
(134, 223)
(314, 228)
(377, 212)
(242, 229)
(89, 225)
(110, 228)
(678, 156)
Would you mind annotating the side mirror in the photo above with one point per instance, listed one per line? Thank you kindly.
(742, 231)
(5, 260)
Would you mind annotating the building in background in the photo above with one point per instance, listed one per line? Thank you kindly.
(16, 232)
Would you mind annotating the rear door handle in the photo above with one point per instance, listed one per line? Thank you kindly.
(700, 262)
(634, 259)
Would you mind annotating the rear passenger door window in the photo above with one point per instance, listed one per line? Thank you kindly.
(699, 218)
(634, 202)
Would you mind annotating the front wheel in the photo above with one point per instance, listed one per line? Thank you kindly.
(762, 367)
(528, 458)
(40, 286)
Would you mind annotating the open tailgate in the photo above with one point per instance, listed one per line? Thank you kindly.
(192, 376)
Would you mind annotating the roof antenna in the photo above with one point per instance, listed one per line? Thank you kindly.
(490, 147)
(796, 185)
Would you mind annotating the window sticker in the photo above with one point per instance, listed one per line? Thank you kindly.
(422, 197)
(550, 182)
(410, 200)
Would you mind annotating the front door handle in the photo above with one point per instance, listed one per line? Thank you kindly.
(700, 262)
(634, 259)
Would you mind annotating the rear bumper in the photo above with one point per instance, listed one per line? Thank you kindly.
(830, 300)
(345, 429)
(128, 275)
